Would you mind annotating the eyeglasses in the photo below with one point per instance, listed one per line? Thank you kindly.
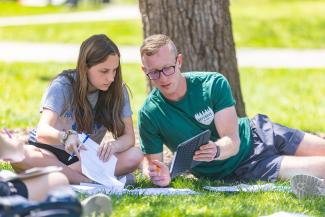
(167, 71)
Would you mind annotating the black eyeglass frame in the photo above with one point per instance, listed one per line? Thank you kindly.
(162, 71)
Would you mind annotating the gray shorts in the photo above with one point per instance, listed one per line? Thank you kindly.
(270, 141)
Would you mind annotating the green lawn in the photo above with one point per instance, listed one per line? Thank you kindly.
(127, 32)
(22, 86)
(293, 97)
(279, 23)
(256, 23)
(13, 8)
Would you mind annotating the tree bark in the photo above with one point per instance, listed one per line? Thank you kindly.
(201, 31)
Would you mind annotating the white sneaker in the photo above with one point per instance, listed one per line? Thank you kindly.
(305, 185)
(97, 204)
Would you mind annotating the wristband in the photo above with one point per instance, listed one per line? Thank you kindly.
(217, 153)
(69, 133)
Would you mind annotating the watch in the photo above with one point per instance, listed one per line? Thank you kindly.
(63, 136)
(66, 135)
(217, 153)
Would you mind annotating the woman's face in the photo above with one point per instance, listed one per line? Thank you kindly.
(102, 75)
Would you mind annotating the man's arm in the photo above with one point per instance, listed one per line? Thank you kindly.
(156, 169)
(227, 126)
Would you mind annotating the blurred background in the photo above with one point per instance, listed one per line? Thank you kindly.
(40, 38)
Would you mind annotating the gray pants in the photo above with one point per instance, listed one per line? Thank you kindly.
(270, 142)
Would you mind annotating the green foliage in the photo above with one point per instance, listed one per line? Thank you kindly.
(128, 32)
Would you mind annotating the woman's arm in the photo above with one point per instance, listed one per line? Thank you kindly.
(122, 143)
(46, 133)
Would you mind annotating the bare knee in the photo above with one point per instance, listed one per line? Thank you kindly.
(57, 179)
(136, 157)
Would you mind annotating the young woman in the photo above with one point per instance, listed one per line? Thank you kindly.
(91, 99)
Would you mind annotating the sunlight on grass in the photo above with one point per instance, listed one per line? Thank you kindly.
(23, 84)
(13, 8)
(127, 32)
(292, 97)
(275, 23)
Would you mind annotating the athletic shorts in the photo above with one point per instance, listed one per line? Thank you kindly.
(270, 142)
(62, 155)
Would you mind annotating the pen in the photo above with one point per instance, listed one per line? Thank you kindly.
(157, 169)
(7, 132)
(73, 154)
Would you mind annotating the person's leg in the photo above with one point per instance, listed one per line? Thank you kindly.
(36, 157)
(294, 165)
(38, 187)
(128, 161)
(11, 150)
(311, 145)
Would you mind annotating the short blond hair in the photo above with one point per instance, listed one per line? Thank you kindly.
(153, 43)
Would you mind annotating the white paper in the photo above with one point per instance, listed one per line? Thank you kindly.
(161, 191)
(89, 188)
(248, 188)
(96, 169)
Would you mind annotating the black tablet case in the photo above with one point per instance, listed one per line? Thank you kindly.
(183, 157)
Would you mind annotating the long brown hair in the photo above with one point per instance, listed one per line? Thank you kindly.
(107, 112)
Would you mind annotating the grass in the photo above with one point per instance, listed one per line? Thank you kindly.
(256, 23)
(121, 32)
(293, 97)
(22, 86)
(13, 8)
(278, 23)
(213, 203)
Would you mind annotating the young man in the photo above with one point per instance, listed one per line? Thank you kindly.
(185, 104)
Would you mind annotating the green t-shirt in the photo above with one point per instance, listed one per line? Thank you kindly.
(162, 121)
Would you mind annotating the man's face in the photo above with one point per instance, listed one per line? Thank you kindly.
(164, 59)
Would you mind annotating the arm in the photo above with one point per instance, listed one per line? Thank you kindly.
(46, 133)
(157, 171)
(229, 142)
(123, 143)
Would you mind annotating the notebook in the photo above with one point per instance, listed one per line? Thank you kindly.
(183, 157)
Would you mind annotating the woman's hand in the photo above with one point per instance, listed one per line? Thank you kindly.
(72, 144)
(159, 173)
(106, 150)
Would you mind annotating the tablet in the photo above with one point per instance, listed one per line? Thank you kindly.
(183, 157)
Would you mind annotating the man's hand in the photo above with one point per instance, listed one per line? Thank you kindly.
(206, 152)
(159, 173)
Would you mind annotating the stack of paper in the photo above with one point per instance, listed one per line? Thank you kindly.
(88, 188)
(248, 188)
(97, 170)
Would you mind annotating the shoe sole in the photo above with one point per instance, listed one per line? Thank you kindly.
(305, 186)
(98, 204)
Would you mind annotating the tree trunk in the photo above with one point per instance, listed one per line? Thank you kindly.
(201, 31)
